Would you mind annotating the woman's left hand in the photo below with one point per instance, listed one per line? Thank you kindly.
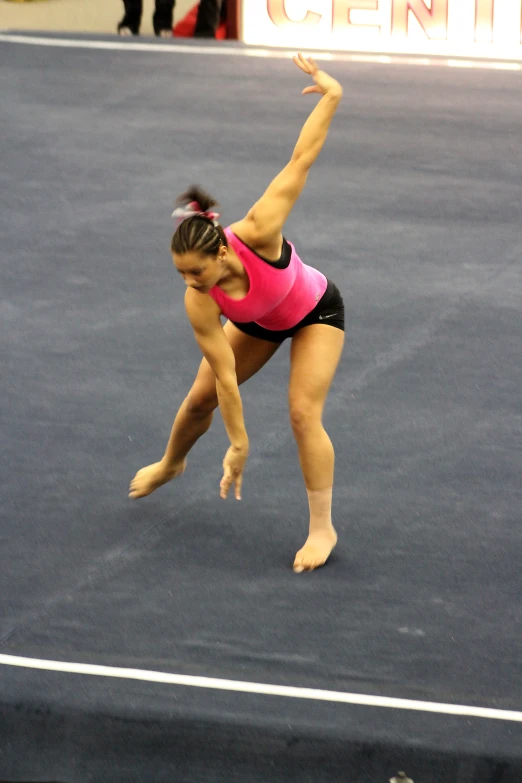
(323, 82)
(233, 467)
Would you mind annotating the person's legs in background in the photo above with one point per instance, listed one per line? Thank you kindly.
(210, 14)
(130, 24)
(162, 19)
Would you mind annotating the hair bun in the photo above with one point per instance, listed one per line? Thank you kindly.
(193, 209)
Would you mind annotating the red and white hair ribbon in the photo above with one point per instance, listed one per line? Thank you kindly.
(193, 209)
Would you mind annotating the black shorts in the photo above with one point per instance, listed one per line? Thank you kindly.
(329, 310)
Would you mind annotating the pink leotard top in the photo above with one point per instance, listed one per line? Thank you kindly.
(278, 298)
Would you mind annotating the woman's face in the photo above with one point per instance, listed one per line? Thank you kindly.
(201, 272)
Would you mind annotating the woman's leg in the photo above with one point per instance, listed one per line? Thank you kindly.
(208, 18)
(315, 354)
(197, 410)
(132, 18)
(162, 18)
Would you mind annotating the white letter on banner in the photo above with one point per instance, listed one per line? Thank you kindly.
(277, 13)
(433, 21)
(484, 10)
(343, 8)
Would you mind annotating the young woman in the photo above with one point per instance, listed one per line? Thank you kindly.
(251, 275)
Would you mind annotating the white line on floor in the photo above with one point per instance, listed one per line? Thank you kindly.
(256, 51)
(262, 689)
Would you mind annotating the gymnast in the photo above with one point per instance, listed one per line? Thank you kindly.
(250, 274)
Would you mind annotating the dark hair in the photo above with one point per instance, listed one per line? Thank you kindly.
(198, 233)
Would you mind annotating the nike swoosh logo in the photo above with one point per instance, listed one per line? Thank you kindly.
(322, 317)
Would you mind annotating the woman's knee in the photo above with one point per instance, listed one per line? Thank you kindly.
(304, 416)
(201, 402)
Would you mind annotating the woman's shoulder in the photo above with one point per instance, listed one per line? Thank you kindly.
(245, 231)
(201, 308)
(242, 230)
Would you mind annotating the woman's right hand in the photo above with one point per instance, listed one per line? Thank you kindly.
(233, 467)
(323, 82)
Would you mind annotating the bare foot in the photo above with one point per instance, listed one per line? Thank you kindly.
(153, 476)
(316, 551)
